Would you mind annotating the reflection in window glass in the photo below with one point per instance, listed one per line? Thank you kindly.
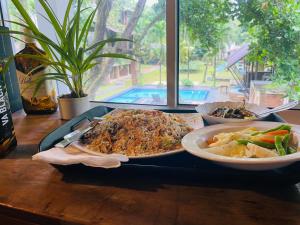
(236, 50)
(121, 81)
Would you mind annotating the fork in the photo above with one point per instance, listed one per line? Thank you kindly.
(278, 109)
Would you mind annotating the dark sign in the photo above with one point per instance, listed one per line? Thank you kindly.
(7, 133)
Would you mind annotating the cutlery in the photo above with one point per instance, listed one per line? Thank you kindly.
(76, 134)
(278, 109)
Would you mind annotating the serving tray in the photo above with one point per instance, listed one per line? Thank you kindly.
(181, 166)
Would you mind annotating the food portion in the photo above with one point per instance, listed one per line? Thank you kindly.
(137, 133)
(253, 143)
(233, 113)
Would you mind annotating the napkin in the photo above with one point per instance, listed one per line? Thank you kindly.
(73, 155)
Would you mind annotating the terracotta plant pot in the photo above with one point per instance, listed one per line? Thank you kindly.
(72, 107)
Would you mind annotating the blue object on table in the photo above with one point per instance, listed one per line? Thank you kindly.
(11, 79)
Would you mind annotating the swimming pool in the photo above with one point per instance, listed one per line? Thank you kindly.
(157, 96)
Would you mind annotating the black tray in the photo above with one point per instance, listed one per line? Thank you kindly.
(181, 165)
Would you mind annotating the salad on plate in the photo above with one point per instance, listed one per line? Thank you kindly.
(254, 143)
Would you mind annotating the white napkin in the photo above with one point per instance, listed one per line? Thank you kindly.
(73, 155)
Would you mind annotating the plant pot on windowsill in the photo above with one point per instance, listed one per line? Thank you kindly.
(70, 107)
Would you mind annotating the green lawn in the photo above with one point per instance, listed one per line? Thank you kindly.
(109, 90)
(196, 76)
(153, 77)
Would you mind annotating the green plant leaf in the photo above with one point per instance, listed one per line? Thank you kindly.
(28, 21)
(89, 24)
(67, 14)
(52, 17)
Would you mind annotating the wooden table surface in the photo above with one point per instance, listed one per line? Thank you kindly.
(36, 193)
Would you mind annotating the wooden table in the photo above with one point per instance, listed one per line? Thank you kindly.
(36, 193)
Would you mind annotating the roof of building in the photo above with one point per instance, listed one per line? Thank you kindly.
(237, 55)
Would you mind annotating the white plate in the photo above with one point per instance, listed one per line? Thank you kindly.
(86, 150)
(194, 120)
(192, 142)
(207, 108)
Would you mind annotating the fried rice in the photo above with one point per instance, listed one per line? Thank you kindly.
(137, 133)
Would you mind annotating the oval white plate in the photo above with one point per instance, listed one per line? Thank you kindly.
(207, 108)
(86, 150)
(192, 142)
(194, 120)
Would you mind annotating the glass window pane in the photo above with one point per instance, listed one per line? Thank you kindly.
(15, 16)
(235, 50)
(122, 81)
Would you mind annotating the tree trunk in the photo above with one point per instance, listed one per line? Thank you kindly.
(256, 71)
(205, 73)
(107, 64)
(215, 70)
(138, 41)
(188, 62)
(157, 18)
(140, 72)
(160, 73)
(101, 19)
(100, 29)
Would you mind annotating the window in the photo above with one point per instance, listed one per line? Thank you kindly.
(122, 81)
(236, 50)
(227, 50)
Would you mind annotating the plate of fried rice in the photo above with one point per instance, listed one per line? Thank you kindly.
(139, 133)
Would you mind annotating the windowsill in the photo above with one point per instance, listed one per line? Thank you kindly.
(130, 106)
(136, 106)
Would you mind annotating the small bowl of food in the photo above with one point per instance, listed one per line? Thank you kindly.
(252, 146)
(230, 112)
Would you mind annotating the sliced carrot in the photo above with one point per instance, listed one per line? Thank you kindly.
(267, 139)
(278, 132)
(211, 140)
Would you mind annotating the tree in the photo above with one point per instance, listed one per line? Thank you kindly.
(273, 26)
(129, 30)
(161, 34)
(205, 21)
(100, 25)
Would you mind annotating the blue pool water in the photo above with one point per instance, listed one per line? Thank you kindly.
(135, 95)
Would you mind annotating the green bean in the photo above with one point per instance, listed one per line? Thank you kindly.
(256, 133)
(263, 144)
(281, 127)
(279, 147)
(243, 142)
(286, 127)
(291, 150)
(259, 143)
(286, 141)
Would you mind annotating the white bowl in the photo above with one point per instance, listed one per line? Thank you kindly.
(192, 142)
(207, 108)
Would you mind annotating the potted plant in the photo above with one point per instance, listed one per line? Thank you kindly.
(69, 58)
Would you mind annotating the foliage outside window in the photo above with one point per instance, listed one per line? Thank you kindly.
(121, 81)
(263, 33)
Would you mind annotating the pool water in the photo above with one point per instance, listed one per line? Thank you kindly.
(135, 95)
